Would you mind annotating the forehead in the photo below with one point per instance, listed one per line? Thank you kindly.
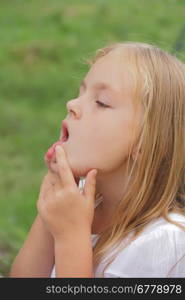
(110, 72)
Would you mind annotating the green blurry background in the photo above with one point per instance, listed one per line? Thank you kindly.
(43, 47)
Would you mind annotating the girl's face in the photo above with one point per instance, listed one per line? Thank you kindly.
(101, 119)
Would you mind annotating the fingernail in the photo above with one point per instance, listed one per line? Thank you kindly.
(58, 148)
(95, 173)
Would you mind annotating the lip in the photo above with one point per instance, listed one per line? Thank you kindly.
(65, 130)
(51, 150)
(61, 140)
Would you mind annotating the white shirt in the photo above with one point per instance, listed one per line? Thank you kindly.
(159, 251)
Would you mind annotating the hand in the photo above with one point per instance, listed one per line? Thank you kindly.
(48, 181)
(51, 163)
(63, 208)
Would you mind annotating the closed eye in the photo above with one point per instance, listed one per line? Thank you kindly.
(101, 104)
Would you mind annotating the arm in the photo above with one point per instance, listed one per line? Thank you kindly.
(73, 255)
(36, 257)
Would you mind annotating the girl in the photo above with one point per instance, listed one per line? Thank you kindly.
(128, 125)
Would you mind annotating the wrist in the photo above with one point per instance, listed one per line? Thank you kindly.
(41, 225)
(74, 255)
(69, 235)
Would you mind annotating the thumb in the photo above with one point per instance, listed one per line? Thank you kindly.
(90, 184)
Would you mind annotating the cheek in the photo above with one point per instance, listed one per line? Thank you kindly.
(112, 154)
(100, 148)
(113, 148)
(107, 151)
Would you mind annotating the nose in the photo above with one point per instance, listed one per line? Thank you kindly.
(73, 108)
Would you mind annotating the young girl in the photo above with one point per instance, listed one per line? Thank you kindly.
(128, 124)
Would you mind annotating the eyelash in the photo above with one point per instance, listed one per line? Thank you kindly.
(101, 104)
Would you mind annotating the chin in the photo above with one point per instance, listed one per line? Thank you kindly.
(78, 171)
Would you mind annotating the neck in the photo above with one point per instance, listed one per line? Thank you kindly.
(112, 187)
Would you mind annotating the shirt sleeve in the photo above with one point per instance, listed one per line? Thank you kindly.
(160, 253)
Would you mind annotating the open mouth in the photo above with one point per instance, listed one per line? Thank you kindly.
(65, 131)
(62, 139)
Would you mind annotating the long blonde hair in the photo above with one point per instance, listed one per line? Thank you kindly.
(158, 171)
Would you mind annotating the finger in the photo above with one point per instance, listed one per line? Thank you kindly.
(53, 167)
(43, 184)
(48, 162)
(49, 154)
(51, 164)
(90, 184)
(53, 178)
(66, 175)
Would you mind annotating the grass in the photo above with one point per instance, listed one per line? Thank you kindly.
(42, 52)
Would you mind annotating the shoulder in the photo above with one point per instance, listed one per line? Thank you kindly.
(160, 228)
(155, 253)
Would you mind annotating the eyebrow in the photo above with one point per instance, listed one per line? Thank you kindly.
(100, 86)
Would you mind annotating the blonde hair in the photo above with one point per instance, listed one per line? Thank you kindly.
(158, 171)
